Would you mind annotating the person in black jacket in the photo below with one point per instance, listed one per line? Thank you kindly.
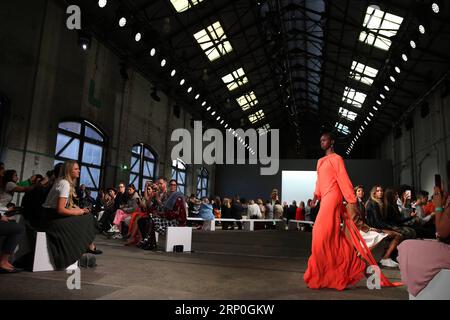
(236, 211)
(108, 216)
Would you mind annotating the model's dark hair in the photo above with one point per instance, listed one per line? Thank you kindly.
(329, 134)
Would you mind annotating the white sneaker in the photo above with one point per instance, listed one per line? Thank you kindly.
(114, 229)
(117, 236)
(389, 263)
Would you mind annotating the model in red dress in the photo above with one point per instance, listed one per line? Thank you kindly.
(334, 262)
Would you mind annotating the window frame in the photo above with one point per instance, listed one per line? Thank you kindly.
(203, 174)
(82, 140)
(177, 171)
(141, 156)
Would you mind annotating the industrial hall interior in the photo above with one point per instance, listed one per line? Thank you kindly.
(225, 150)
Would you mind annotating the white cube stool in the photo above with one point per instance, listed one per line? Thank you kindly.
(437, 289)
(176, 236)
(42, 261)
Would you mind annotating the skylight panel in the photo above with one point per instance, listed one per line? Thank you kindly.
(247, 100)
(183, 5)
(264, 129)
(257, 116)
(342, 128)
(235, 79)
(382, 27)
(363, 73)
(347, 114)
(353, 97)
(213, 41)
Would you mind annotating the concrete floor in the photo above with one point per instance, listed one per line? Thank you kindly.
(238, 265)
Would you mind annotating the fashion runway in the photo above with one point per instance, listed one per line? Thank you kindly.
(238, 265)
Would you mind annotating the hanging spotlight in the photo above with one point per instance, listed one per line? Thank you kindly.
(102, 3)
(397, 69)
(209, 108)
(221, 122)
(412, 43)
(163, 62)
(189, 89)
(218, 118)
(386, 88)
(84, 40)
(197, 96)
(404, 57)
(368, 119)
(152, 52)
(213, 113)
(138, 36)
(378, 102)
(382, 96)
(182, 82)
(435, 7)
(226, 125)
(122, 22)
(203, 103)
(375, 108)
(422, 29)
(392, 78)
(371, 114)
(173, 72)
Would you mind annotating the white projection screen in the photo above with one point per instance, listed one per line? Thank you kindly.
(297, 185)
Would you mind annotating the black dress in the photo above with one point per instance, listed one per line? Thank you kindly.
(68, 237)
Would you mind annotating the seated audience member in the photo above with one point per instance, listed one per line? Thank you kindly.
(70, 230)
(237, 210)
(33, 200)
(226, 213)
(173, 212)
(206, 213)
(262, 208)
(359, 192)
(384, 215)
(217, 205)
(407, 221)
(269, 209)
(373, 236)
(147, 225)
(147, 204)
(292, 210)
(193, 206)
(118, 199)
(11, 232)
(421, 260)
(278, 210)
(300, 212)
(423, 220)
(253, 211)
(9, 186)
(126, 210)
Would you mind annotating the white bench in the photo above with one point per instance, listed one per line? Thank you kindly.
(42, 261)
(295, 224)
(437, 289)
(248, 224)
(176, 236)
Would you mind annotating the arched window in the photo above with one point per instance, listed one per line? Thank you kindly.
(143, 165)
(179, 174)
(83, 142)
(202, 183)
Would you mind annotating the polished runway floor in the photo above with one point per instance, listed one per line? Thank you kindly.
(238, 265)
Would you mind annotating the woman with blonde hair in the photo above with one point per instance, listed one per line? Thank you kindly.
(70, 230)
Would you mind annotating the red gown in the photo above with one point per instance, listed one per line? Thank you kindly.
(334, 262)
